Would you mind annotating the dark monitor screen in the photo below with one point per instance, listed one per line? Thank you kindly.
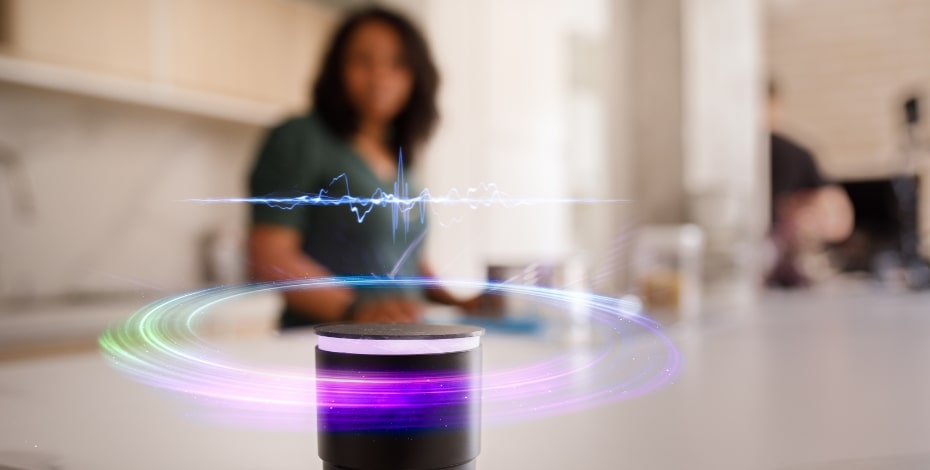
(878, 221)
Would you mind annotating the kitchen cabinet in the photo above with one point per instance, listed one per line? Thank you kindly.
(261, 51)
(105, 36)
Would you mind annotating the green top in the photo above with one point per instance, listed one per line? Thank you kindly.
(301, 157)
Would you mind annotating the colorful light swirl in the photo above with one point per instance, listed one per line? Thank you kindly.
(160, 346)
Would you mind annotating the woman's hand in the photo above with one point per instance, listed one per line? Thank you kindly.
(485, 303)
(275, 254)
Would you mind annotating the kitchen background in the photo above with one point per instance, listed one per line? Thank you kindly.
(114, 112)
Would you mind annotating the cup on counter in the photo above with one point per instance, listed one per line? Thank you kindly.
(571, 323)
(667, 269)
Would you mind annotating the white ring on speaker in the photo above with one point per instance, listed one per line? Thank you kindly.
(397, 347)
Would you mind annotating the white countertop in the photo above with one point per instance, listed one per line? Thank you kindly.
(50, 323)
(807, 381)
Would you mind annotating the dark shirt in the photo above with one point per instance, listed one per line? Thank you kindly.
(301, 157)
(793, 169)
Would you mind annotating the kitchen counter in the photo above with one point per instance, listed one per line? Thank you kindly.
(811, 380)
(51, 328)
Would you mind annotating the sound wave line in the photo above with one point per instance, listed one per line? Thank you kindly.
(400, 201)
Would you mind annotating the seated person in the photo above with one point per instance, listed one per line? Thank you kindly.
(806, 208)
(374, 96)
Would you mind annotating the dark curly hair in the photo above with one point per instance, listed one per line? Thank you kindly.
(415, 122)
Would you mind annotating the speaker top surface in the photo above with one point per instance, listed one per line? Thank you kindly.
(397, 331)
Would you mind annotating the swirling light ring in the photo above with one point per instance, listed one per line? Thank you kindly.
(161, 345)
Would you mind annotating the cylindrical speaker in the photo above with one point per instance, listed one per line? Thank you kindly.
(398, 396)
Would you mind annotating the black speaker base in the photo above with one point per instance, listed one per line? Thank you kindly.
(465, 466)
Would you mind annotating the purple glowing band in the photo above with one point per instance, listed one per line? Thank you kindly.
(397, 347)
(350, 400)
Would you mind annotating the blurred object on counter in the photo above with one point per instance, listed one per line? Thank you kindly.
(525, 315)
(906, 187)
(730, 255)
(221, 256)
(541, 274)
(667, 268)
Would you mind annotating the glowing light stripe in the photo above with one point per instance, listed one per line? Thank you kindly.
(397, 347)
(400, 201)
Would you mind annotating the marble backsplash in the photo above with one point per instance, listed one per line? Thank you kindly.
(92, 196)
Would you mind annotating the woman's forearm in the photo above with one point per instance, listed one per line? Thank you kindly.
(275, 255)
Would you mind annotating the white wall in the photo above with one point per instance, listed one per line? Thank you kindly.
(655, 37)
(695, 85)
(676, 125)
(511, 116)
(106, 183)
(724, 156)
(723, 89)
(695, 127)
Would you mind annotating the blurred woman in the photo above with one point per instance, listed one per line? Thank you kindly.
(375, 96)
